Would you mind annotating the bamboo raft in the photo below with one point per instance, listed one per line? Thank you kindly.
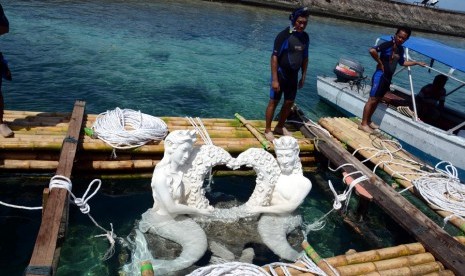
(402, 171)
(39, 136)
(401, 260)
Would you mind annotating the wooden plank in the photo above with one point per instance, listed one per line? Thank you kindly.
(54, 219)
(446, 249)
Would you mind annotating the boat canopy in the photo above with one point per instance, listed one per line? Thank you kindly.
(448, 55)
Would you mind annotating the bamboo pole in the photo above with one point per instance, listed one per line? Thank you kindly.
(30, 145)
(37, 113)
(398, 263)
(420, 269)
(377, 254)
(312, 254)
(7, 164)
(265, 143)
(146, 268)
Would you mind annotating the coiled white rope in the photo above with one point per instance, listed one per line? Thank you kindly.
(445, 193)
(309, 267)
(440, 188)
(231, 268)
(246, 269)
(126, 128)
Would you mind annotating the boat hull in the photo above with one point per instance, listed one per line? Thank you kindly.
(432, 142)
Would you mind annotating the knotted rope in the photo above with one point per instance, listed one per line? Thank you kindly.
(62, 182)
(59, 181)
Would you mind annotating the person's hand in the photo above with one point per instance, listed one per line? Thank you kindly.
(275, 86)
(301, 83)
(421, 63)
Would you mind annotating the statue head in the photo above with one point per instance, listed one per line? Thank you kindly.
(287, 153)
(178, 145)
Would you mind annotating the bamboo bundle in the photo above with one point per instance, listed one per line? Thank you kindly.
(119, 165)
(377, 254)
(32, 138)
(28, 155)
(8, 164)
(399, 263)
(7, 144)
(420, 269)
(39, 131)
(22, 113)
(346, 131)
(440, 273)
(234, 146)
(40, 135)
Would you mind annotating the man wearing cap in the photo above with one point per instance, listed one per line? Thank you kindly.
(290, 55)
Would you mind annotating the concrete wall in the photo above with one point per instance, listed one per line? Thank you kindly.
(381, 12)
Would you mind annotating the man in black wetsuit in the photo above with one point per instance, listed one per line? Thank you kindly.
(290, 55)
(390, 54)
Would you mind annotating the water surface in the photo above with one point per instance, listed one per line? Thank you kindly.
(165, 58)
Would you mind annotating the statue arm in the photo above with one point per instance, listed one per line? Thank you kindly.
(163, 197)
(286, 206)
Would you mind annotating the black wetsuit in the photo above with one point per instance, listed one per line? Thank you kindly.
(291, 49)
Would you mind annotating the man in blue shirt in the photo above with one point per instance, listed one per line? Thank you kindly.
(290, 55)
(387, 55)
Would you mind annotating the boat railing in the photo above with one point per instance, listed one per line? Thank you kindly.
(457, 127)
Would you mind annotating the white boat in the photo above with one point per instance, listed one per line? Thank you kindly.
(393, 115)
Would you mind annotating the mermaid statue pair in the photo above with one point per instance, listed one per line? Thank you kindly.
(179, 198)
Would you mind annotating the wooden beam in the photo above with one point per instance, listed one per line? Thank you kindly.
(45, 256)
(445, 248)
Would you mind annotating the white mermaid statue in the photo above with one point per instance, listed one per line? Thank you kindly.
(289, 192)
(179, 196)
(167, 216)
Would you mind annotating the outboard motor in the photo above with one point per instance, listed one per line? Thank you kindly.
(348, 70)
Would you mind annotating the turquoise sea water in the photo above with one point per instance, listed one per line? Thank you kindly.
(165, 58)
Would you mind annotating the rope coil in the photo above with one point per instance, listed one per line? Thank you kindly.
(126, 128)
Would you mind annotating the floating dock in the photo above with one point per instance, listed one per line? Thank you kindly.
(48, 142)
(39, 136)
(402, 260)
(382, 152)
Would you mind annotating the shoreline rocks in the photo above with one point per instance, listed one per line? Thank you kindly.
(380, 12)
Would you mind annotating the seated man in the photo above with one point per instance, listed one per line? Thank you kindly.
(430, 100)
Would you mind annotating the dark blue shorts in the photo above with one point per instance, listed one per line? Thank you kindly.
(288, 85)
(380, 84)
